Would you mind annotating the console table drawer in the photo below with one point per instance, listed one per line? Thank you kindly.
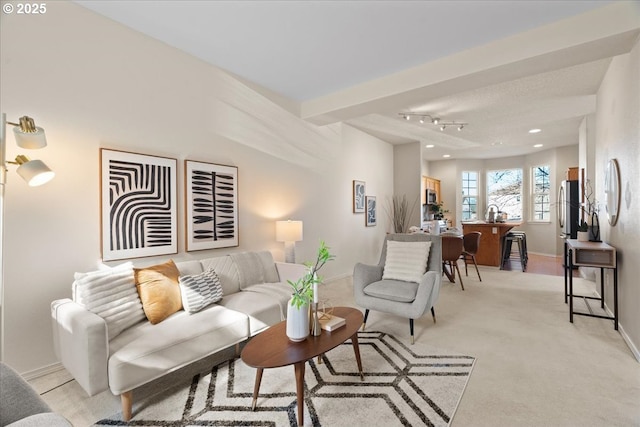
(594, 258)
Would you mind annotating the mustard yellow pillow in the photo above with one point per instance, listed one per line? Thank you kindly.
(159, 290)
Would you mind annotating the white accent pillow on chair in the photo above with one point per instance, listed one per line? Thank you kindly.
(406, 261)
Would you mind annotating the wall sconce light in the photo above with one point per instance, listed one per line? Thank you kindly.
(34, 172)
(28, 136)
(289, 232)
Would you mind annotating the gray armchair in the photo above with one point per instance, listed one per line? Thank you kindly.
(21, 406)
(399, 297)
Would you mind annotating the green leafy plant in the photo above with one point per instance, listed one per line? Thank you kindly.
(303, 287)
(583, 226)
(438, 210)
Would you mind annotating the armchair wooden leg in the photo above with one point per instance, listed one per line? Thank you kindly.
(433, 314)
(364, 322)
(126, 400)
(411, 330)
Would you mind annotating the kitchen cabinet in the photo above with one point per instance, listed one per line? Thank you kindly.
(431, 184)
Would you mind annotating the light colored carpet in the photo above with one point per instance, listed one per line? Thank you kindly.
(533, 367)
(403, 386)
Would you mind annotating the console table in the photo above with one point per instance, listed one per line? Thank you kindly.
(590, 254)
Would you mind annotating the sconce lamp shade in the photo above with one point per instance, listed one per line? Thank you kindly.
(30, 140)
(288, 231)
(35, 172)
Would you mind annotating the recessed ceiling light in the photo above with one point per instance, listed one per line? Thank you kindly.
(446, 156)
(497, 143)
(429, 146)
(538, 145)
(535, 130)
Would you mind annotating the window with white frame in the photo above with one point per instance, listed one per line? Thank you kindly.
(469, 195)
(504, 191)
(540, 193)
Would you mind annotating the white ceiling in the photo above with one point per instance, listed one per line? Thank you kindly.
(501, 66)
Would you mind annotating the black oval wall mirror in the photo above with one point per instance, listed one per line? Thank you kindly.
(612, 191)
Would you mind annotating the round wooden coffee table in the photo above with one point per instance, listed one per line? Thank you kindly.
(272, 349)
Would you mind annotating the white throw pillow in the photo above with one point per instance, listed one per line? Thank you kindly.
(406, 261)
(200, 290)
(111, 294)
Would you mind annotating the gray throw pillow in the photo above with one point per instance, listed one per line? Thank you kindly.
(200, 290)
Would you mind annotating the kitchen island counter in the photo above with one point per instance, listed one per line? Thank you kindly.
(490, 249)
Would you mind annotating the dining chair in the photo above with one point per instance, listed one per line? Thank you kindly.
(470, 244)
(452, 247)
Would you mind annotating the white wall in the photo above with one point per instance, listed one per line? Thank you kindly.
(618, 137)
(407, 166)
(92, 83)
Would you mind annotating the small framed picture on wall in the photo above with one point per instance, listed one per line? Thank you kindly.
(358, 196)
(371, 211)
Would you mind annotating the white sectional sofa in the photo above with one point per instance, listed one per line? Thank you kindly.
(255, 294)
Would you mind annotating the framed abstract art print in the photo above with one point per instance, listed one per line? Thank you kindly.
(211, 211)
(138, 205)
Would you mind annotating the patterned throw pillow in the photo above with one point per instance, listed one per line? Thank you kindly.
(111, 294)
(200, 290)
(406, 261)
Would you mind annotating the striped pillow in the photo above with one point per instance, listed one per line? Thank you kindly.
(406, 261)
(200, 290)
(111, 294)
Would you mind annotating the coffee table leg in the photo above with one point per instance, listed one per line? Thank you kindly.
(256, 388)
(356, 350)
(299, 369)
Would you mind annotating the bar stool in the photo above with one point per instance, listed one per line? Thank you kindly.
(521, 239)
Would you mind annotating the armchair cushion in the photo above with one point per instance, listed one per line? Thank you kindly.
(406, 261)
(393, 290)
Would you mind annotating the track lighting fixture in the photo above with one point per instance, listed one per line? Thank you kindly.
(422, 118)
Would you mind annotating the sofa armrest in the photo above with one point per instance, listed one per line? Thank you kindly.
(289, 271)
(364, 275)
(81, 343)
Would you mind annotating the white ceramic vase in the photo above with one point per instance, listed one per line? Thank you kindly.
(583, 236)
(297, 322)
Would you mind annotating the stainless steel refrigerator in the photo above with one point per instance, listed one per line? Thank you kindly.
(568, 209)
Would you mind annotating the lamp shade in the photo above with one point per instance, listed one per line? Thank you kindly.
(288, 231)
(30, 140)
(35, 172)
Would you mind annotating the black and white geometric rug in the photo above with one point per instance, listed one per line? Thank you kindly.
(404, 385)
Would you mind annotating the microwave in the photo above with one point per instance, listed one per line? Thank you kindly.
(431, 197)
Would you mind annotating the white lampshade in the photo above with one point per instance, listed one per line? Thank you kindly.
(288, 231)
(35, 172)
(30, 140)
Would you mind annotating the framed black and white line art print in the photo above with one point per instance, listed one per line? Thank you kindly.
(358, 196)
(211, 195)
(138, 205)
(371, 211)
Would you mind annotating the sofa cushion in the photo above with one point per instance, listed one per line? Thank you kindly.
(406, 261)
(159, 290)
(146, 352)
(111, 294)
(188, 268)
(393, 290)
(200, 290)
(279, 292)
(255, 268)
(262, 310)
(227, 272)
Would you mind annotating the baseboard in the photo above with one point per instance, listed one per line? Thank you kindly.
(40, 372)
(623, 333)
